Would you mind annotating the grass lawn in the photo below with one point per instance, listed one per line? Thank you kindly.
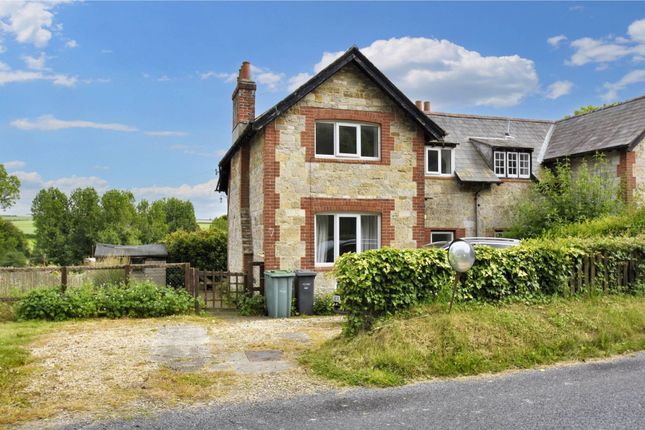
(24, 224)
(204, 224)
(478, 338)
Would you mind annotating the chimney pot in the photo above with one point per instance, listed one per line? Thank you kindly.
(245, 71)
(419, 104)
(426, 106)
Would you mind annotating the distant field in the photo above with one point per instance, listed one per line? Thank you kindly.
(204, 224)
(24, 224)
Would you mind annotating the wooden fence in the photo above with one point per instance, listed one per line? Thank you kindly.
(600, 273)
(218, 290)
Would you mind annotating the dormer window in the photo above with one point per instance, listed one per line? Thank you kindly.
(512, 164)
(439, 161)
(347, 140)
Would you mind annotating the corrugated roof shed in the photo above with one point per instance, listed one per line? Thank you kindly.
(470, 165)
(618, 126)
(157, 250)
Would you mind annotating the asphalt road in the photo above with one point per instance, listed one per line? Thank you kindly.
(601, 395)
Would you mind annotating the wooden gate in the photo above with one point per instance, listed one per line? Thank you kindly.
(218, 290)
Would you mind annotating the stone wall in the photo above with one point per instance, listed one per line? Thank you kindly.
(256, 195)
(235, 254)
(639, 173)
(304, 183)
(451, 205)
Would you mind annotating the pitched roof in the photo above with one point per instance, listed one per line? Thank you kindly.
(151, 250)
(352, 55)
(612, 127)
(467, 130)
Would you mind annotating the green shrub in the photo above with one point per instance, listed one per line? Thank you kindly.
(564, 195)
(383, 282)
(204, 249)
(136, 300)
(324, 304)
(630, 222)
(250, 305)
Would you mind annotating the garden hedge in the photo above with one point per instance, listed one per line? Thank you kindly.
(136, 300)
(382, 282)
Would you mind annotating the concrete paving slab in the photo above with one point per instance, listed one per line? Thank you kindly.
(183, 348)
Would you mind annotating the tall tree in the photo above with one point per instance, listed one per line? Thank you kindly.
(151, 221)
(119, 218)
(49, 211)
(180, 215)
(13, 245)
(9, 188)
(85, 222)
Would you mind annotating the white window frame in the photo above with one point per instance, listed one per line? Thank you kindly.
(503, 167)
(345, 155)
(359, 238)
(508, 164)
(527, 159)
(438, 150)
(433, 232)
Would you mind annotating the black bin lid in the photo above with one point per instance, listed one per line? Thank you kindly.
(303, 273)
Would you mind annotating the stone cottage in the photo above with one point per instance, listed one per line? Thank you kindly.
(348, 163)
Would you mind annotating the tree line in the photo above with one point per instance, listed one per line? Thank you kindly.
(68, 227)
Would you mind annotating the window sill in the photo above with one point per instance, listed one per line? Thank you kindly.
(439, 176)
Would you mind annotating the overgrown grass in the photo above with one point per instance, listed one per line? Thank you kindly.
(14, 364)
(479, 338)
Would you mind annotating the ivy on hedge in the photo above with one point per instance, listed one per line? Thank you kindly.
(381, 282)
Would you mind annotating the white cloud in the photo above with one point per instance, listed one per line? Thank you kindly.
(107, 51)
(49, 122)
(70, 183)
(613, 88)
(226, 77)
(296, 81)
(207, 202)
(609, 49)
(198, 150)
(71, 44)
(589, 50)
(10, 76)
(558, 89)
(163, 78)
(35, 63)
(29, 22)
(29, 177)
(449, 74)
(14, 164)
(556, 40)
(165, 133)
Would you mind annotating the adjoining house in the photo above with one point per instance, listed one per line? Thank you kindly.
(154, 253)
(348, 163)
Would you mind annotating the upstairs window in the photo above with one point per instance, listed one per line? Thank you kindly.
(512, 164)
(347, 139)
(439, 161)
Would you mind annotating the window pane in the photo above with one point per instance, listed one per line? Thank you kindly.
(433, 160)
(324, 138)
(346, 235)
(347, 139)
(500, 164)
(511, 159)
(525, 165)
(441, 236)
(369, 141)
(369, 232)
(324, 238)
(446, 161)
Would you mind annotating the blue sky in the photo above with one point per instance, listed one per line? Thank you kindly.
(137, 95)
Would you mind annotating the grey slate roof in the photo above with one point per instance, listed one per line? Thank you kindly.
(619, 126)
(151, 250)
(472, 163)
(503, 143)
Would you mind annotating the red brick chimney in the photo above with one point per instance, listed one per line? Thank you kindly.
(426, 106)
(244, 97)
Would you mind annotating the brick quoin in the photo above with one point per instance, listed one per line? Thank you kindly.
(313, 206)
(419, 231)
(625, 171)
(312, 114)
(271, 198)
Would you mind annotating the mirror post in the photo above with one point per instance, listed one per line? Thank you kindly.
(454, 289)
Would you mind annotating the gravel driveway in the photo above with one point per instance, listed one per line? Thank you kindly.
(109, 368)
